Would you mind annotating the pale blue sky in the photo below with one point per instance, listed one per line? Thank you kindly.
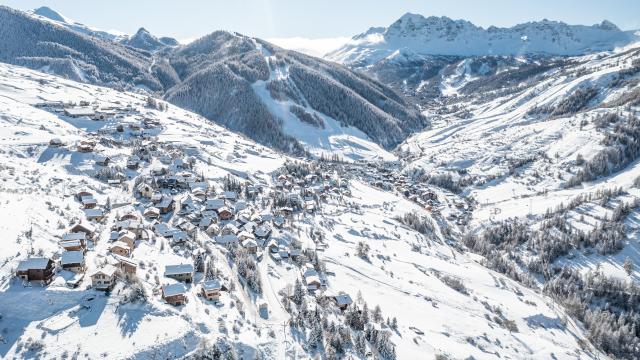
(322, 19)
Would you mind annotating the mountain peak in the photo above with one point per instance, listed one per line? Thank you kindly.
(409, 16)
(49, 13)
(371, 31)
(418, 26)
(143, 31)
(608, 25)
(145, 40)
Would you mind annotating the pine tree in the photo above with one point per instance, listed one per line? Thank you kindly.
(364, 316)
(628, 266)
(315, 336)
(198, 262)
(385, 347)
(377, 314)
(361, 345)
(210, 270)
(298, 293)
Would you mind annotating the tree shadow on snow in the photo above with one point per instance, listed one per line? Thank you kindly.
(53, 310)
(131, 315)
(543, 321)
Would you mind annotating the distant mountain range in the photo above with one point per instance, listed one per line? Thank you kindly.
(280, 98)
(416, 35)
(429, 57)
(142, 39)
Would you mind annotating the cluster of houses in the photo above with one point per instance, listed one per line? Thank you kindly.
(179, 207)
(385, 176)
(74, 246)
(84, 109)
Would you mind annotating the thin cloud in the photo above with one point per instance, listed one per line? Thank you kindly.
(313, 47)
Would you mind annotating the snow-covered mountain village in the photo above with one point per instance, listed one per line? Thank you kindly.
(409, 196)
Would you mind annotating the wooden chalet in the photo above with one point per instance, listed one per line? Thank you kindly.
(36, 269)
(105, 278)
(174, 294)
(211, 290)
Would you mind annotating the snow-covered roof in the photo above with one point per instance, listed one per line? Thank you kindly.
(214, 204)
(72, 257)
(79, 111)
(179, 235)
(205, 221)
(213, 228)
(87, 200)
(244, 234)
(74, 236)
(187, 226)
(249, 243)
(240, 205)
(262, 230)
(266, 215)
(224, 209)
(70, 243)
(33, 264)
(166, 202)
(123, 259)
(162, 229)
(108, 270)
(91, 213)
(310, 272)
(250, 226)
(151, 211)
(211, 285)
(343, 299)
(126, 234)
(128, 224)
(85, 226)
(120, 244)
(310, 279)
(101, 158)
(279, 220)
(178, 269)
(173, 289)
(231, 228)
(226, 239)
(203, 185)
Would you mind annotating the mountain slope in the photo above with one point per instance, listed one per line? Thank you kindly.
(50, 15)
(552, 166)
(286, 98)
(37, 44)
(283, 88)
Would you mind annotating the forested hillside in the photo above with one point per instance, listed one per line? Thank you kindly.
(215, 74)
